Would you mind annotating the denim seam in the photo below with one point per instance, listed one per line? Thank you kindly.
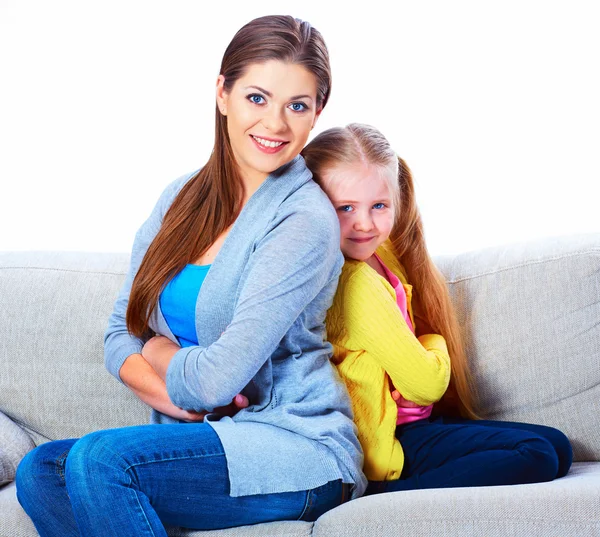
(59, 461)
(174, 459)
(307, 505)
(141, 508)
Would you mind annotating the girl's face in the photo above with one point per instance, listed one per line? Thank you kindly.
(362, 199)
(270, 111)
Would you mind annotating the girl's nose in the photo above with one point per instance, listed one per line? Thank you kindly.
(363, 222)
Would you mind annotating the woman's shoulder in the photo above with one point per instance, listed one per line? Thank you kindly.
(170, 192)
(309, 197)
(308, 209)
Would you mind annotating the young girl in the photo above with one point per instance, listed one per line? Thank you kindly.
(229, 283)
(397, 344)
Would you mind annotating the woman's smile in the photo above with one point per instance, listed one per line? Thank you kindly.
(268, 145)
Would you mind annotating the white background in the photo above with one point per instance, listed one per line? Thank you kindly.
(494, 105)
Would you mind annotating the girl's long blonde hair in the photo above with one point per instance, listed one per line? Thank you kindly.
(363, 143)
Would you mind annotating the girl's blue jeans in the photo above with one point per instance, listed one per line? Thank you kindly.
(453, 452)
(133, 481)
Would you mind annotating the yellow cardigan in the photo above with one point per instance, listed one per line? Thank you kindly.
(373, 345)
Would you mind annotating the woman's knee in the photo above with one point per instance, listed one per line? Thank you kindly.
(92, 456)
(27, 478)
(41, 468)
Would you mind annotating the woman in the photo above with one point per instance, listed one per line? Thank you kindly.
(227, 291)
(397, 342)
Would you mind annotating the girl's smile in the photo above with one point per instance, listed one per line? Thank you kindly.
(361, 196)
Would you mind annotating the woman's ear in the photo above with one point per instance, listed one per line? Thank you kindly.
(222, 96)
(316, 117)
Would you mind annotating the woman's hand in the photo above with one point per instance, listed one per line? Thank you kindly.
(158, 352)
(239, 401)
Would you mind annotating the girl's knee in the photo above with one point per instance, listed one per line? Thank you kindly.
(563, 448)
(541, 459)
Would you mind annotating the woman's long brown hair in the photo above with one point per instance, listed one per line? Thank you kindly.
(363, 143)
(211, 201)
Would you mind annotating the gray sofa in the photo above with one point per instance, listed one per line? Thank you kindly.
(531, 317)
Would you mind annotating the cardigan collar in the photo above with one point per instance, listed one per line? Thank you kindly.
(254, 216)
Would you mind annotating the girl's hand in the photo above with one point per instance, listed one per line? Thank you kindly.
(191, 416)
(400, 401)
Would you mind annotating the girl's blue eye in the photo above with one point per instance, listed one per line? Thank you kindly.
(379, 206)
(345, 208)
(298, 107)
(256, 98)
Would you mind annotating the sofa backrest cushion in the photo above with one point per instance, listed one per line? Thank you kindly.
(530, 314)
(55, 308)
(531, 317)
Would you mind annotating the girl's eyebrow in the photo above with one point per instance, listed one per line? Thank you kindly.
(379, 200)
(269, 94)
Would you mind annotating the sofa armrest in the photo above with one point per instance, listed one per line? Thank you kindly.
(15, 443)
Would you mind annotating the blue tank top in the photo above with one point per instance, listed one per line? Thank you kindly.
(178, 303)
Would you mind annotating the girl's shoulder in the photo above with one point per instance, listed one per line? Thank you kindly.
(360, 270)
(387, 255)
(358, 278)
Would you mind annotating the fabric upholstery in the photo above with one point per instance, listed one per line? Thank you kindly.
(14, 444)
(530, 315)
(54, 382)
(568, 507)
(15, 523)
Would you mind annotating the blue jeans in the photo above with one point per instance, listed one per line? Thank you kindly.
(135, 480)
(452, 452)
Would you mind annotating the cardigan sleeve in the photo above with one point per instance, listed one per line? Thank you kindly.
(119, 344)
(418, 367)
(292, 264)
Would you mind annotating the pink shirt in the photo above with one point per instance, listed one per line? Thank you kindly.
(405, 414)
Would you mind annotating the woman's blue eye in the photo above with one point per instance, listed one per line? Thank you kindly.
(298, 107)
(256, 99)
(379, 206)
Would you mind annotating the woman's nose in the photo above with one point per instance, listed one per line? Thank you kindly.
(274, 120)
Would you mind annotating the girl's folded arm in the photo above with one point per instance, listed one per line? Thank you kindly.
(418, 367)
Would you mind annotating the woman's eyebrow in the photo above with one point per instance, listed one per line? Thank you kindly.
(269, 94)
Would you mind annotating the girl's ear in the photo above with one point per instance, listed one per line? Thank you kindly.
(222, 96)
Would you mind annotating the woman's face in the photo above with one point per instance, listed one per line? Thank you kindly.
(361, 196)
(270, 112)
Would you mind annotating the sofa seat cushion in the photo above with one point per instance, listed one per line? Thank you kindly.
(566, 507)
(15, 523)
